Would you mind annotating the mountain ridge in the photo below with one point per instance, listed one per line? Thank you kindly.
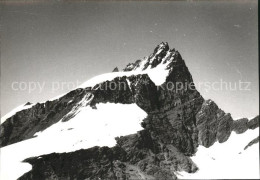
(178, 121)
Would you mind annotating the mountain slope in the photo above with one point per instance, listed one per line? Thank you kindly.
(159, 126)
(228, 160)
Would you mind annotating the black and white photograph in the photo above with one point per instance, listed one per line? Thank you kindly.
(129, 90)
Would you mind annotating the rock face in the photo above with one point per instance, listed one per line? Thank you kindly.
(178, 121)
(26, 123)
(116, 69)
(134, 157)
(254, 141)
(253, 123)
(213, 124)
(240, 125)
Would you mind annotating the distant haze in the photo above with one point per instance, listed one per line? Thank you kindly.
(72, 42)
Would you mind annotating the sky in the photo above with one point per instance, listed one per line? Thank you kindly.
(58, 44)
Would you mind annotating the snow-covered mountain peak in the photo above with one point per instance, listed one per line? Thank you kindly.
(161, 55)
(162, 46)
(129, 125)
(157, 66)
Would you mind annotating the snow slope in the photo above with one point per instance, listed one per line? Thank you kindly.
(227, 160)
(90, 127)
(157, 75)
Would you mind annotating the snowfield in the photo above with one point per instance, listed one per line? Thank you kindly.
(227, 160)
(90, 127)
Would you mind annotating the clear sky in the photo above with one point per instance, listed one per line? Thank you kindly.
(47, 43)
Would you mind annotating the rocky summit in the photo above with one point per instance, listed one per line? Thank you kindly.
(177, 123)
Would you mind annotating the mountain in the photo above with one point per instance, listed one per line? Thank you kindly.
(147, 121)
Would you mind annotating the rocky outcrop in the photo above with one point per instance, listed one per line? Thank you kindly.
(154, 59)
(115, 91)
(243, 124)
(24, 124)
(240, 126)
(28, 103)
(254, 141)
(93, 163)
(213, 124)
(224, 128)
(253, 123)
(116, 69)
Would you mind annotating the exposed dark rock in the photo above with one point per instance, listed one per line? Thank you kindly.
(213, 124)
(158, 54)
(254, 141)
(115, 69)
(240, 125)
(145, 92)
(28, 103)
(153, 60)
(24, 124)
(207, 123)
(116, 91)
(132, 66)
(224, 128)
(93, 163)
(253, 123)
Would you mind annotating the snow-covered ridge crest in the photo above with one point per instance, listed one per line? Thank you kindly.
(156, 66)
